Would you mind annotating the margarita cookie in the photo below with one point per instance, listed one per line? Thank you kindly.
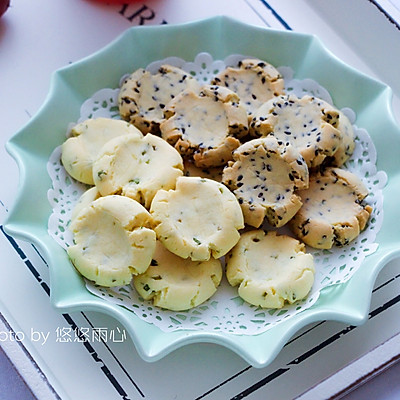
(199, 219)
(143, 96)
(347, 145)
(189, 169)
(205, 124)
(113, 240)
(308, 123)
(137, 167)
(178, 284)
(87, 138)
(332, 212)
(270, 269)
(255, 82)
(87, 197)
(263, 176)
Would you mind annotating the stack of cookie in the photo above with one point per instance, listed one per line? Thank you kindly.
(200, 173)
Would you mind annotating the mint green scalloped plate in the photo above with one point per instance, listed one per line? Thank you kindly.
(220, 36)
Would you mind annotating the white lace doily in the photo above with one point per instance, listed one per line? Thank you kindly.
(226, 311)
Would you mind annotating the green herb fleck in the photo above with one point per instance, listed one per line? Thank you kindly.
(101, 173)
(197, 241)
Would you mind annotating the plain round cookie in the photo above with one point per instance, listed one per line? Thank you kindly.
(254, 80)
(199, 219)
(332, 213)
(205, 124)
(79, 151)
(137, 167)
(308, 123)
(270, 269)
(264, 176)
(143, 96)
(178, 284)
(113, 240)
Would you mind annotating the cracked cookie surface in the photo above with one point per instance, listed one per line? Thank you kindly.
(263, 176)
(332, 213)
(347, 145)
(137, 167)
(143, 96)
(178, 284)
(308, 123)
(87, 138)
(113, 240)
(205, 125)
(199, 219)
(270, 269)
(255, 81)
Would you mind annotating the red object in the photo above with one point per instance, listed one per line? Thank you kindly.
(4, 4)
(113, 1)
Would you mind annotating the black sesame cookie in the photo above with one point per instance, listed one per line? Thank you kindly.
(205, 125)
(143, 96)
(332, 211)
(178, 284)
(254, 80)
(270, 269)
(263, 176)
(308, 123)
(346, 147)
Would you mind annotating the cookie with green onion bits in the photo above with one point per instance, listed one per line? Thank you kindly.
(113, 240)
(86, 139)
(199, 219)
(270, 269)
(136, 167)
(178, 284)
